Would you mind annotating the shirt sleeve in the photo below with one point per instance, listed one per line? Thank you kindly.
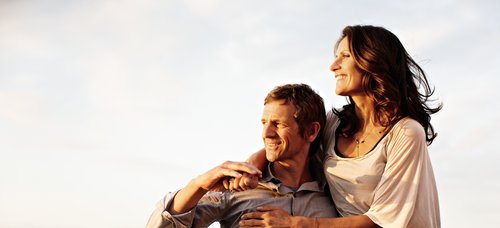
(162, 218)
(207, 211)
(397, 192)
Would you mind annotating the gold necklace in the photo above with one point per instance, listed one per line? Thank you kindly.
(362, 140)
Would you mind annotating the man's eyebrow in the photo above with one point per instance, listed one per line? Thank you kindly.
(273, 120)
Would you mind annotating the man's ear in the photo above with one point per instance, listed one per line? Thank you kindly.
(312, 131)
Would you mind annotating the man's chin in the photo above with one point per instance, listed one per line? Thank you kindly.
(270, 157)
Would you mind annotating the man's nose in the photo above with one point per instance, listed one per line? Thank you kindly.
(268, 131)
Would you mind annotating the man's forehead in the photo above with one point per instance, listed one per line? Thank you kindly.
(279, 107)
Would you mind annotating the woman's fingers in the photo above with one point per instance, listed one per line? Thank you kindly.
(252, 219)
(225, 182)
(251, 181)
(245, 182)
(252, 215)
(251, 223)
(268, 208)
(235, 184)
(267, 216)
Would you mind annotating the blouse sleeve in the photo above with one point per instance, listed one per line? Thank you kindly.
(397, 192)
(328, 142)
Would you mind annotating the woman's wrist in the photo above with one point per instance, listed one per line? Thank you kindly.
(301, 221)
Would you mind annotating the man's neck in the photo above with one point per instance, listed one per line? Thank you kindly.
(292, 173)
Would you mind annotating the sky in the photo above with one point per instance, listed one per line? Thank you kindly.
(105, 106)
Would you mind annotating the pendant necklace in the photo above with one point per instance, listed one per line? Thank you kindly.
(360, 141)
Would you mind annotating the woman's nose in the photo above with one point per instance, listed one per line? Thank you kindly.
(335, 65)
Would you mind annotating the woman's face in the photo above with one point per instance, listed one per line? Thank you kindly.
(347, 73)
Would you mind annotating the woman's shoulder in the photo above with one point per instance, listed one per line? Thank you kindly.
(332, 120)
(408, 127)
(331, 115)
(330, 112)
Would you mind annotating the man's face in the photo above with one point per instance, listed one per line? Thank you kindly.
(280, 132)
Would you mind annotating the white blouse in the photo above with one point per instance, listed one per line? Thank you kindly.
(393, 184)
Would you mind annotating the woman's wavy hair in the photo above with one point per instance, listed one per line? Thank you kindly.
(391, 78)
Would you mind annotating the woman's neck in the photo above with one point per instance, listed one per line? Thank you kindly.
(364, 111)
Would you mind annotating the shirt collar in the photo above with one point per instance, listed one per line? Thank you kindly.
(271, 182)
(269, 177)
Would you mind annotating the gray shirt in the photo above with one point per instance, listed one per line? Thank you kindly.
(227, 207)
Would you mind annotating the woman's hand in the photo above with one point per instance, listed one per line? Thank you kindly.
(211, 179)
(244, 182)
(188, 197)
(268, 216)
(258, 160)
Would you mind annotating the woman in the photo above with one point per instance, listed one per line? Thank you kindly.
(375, 156)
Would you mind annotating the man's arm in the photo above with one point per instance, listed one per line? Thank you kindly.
(175, 209)
(187, 198)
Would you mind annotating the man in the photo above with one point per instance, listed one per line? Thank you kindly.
(292, 120)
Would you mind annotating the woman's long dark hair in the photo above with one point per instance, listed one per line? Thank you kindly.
(392, 79)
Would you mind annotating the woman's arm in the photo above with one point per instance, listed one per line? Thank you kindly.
(258, 159)
(353, 221)
(407, 175)
(269, 216)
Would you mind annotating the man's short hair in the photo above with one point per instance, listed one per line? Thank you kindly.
(308, 104)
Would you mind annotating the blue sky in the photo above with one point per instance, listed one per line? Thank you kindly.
(107, 105)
